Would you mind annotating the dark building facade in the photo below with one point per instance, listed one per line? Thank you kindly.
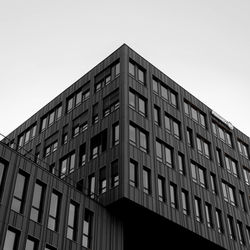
(125, 158)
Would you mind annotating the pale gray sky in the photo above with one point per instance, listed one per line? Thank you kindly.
(47, 45)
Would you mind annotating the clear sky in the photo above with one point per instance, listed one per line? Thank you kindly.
(45, 46)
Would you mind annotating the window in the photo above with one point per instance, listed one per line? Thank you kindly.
(213, 183)
(27, 135)
(240, 233)
(198, 174)
(219, 157)
(138, 102)
(143, 141)
(185, 202)
(231, 166)
(102, 181)
(155, 86)
(248, 234)
(52, 168)
(133, 173)
(143, 137)
(95, 117)
(208, 212)
(158, 151)
(218, 217)
(246, 173)
(19, 195)
(51, 117)
(203, 147)
(117, 69)
(195, 114)
(161, 188)
(229, 193)
(50, 148)
(67, 165)
(111, 102)
(91, 186)
(80, 124)
(169, 156)
(198, 214)
(231, 228)
(79, 185)
(172, 126)
(77, 98)
(3, 174)
(146, 181)
(222, 134)
(190, 137)
(98, 144)
(243, 148)
(55, 203)
(136, 71)
(82, 155)
(87, 229)
(48, 247)
(181, 163)
(243, 201)
(173, 196)
(37, 202)
(31, 244)
(65, 135)
(114, 174)
(11, 239)
(72, 221)
(115, 134)
(157, 115)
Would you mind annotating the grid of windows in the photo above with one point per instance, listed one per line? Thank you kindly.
(195, 114)
(243, 148)
(198, 174)
(222, 134)
(165, 92)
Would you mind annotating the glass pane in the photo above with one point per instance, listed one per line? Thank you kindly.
(164, 92)
(37, 196)
(194, 114)
(78, 98)
(71, 215)
(51, 118)
(131, 99)
(131, 69)
(34, 214)
(168, 155)
(176, 129)
(142, 108)
(193, 172)
(167, 123)
(143, 140)
(158, 151)
(186, 108)
(132, 134)
(70, 104)
(59, 112)
(19, 187)
(173, 99)
(53, 205)
(141, 75)
(202, 177)
(30, 245)
(155, 86)
(9, 240)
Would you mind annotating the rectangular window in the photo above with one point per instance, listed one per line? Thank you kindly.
(169, 156)
(143, 137)
(87, 229)
(111, 102)
(176, 127)
(222, 133)
(143, 142)
(172, 126)
(203, 147)
(82, 155)
(246, 173)
(102, 181)
(132, 100)
(157, 116)
(137, 102)
(155, 86)
(173, 196)
(198, 174)
(115, 134)
(181, 163)
(48, 247)
(37, 202)
(131, 69)
(198, 214)
(133, 173)
(231, 166)
(3, 174)
(27, 135)
(231, 228)
(243, 201)
(161, 188)
(146, 181)
(114, 174)
(95, 116)
(142, 106)
(185, 202)
(31, 244)
(158, 151)
(243, 149)
(132, 135)
(240, 233)
(218, 217)
(208, 211)
(98, 144)
(219, 157)
(213, 183)
(55, 203)
(190, 137)
(67, 165)
(248, 234)
(91, 186)
(11, 239)
(19, 195)
(72, 221)
(229, 193)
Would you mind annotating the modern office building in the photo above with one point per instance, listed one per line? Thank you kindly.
(123, 159)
